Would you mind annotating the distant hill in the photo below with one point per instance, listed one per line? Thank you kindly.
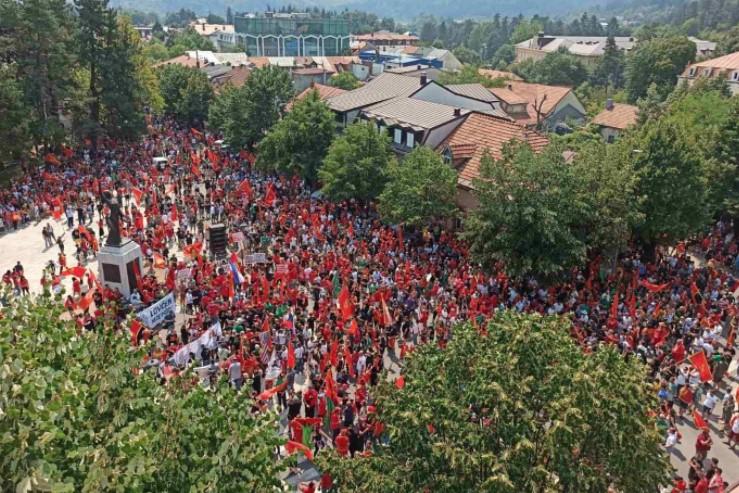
(402, 10)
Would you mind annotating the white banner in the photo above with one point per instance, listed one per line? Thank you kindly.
(155, 314)
(209, 339)
(255, 258)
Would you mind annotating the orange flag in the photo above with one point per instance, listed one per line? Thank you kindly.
(700, 362)
(269, 393)
(85, 302)
(700, 423)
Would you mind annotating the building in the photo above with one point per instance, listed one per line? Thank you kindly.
(588, 49)
(414, 122)
(473, 97)
(615, 118)
(537, 105)
(386, 86)
(207, 30)
(446, 58)
(703, 48)
(304, 78)
(294, 34)
(198, 58)
(417, 71)
(725, 67)
(465, 147)
(383, 40)
(324, 92)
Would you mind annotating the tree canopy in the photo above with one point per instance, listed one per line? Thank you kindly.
(298, 143)
(519, 408)
(344, 80)
(186, 93)
(356, 164)
(77, 415)
(657, 61)
(420, 189)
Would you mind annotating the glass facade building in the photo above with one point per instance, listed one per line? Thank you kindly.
(273, 34)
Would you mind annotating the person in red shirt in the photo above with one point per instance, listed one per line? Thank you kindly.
(702, 485)
(342, 443)
(703, 444)
(679, 485)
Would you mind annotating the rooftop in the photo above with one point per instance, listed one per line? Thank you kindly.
(205, 29)
(481, 132)
(577, 45)
(726, 62)
(474, 91)
(324, 92)
(385, 86)
(413, 113)
(536, 96)
(385, 36)
(620, 117)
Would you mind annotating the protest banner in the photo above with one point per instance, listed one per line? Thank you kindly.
(158, 312)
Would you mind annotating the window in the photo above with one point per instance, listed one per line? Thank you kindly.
(692, 72)
(410, 139)
(398, 136)
(735, 76)
(706, 72)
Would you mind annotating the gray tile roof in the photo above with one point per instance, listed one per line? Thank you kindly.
(415, 113)
(474, 91)
(385, 86)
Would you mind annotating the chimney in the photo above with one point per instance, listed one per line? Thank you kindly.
(203, 26)
(419, 67)
(540, 39)
(457, 112)
(510, 87)
(609, 104)
(424, 78)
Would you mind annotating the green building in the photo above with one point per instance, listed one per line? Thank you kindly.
(293, 34)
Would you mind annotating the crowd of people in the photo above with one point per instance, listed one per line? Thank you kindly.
(338, 296)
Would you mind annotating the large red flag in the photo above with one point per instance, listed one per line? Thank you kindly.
(269, 393)
(136, 327)
(387, 318)
(654, 288)
(85, 302)
(700, 362)
(245, 187)
(345, 304)
(291, 447)
(78, 271)
(270, 196)
(700, 423)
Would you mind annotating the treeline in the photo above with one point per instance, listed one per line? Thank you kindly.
(78, 62)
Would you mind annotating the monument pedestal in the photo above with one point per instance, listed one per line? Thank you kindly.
(117, 266)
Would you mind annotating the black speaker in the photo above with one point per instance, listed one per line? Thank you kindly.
(217, 239)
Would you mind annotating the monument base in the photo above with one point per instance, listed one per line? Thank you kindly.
(116, 266)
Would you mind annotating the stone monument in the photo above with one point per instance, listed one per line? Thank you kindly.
(118, 259)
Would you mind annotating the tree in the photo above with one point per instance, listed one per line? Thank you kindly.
(356, 164)
(244, 115)
(420, 189)
(40, 44)
(14, 118)
(186, 92)
(298, 142)
(558, 68)
(519, 408)
(467, 56)
(469, 74)
(665, 58)
(215, 19)
(727, 152)
(530, 215)
(79, 416)
(671, 185)
(187, 40)
(344, 80)
(610, 69)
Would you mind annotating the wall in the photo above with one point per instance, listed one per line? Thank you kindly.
(466, 200)
(609, 133)
(361, 72)
(439, 134)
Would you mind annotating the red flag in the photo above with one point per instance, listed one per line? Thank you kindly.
(290, 355)
(137, 274)
(700, 423)
(57, 213)
(137, 194)
(331, 387)
(245, 187)
(291, 447)
(614, 307)
(700, 362)
(400, 382)
(78, 271)
(136, 327)
(50, 158)
(345, 304)
(654, 288)
(197, 134)
(349, 362)
(159, 262)
(193, 250)
(353, 329)
(85, 302)
(269, 393)
(693, 291)
(173, 215)
(269, 196)
(333, 352)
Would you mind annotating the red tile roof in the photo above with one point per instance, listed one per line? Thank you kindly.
(533, 95)
(481, 132)
(183, 60)
(385, 36)
(726, 62)
(620, 117)
(324, 92)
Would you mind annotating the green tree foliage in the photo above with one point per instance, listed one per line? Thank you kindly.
(559, 68)
(181, 18)
(727, 153)
(657, 61)
(298, 142)
(671, 184)
(78, 416)
(37, 37)
(610, 69)
(420, 189)
(186, 93)
(215, 19)
(244, 115)
(532, 209)
(467, 56)
(344, 80)
(356, 164)
(521, 408)
(14, 118)
(187, 39)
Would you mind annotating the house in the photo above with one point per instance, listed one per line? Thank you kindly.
(615, 118)
(206, 30)
(413, 122)
(324, 92)
(235, 77)
(195, 58)
(306, 77)
(703, 48)
(473, 97)
(587, 49)
(725, 67)
(386, 86)
(431, 73)
(548, 107)
(383, 40)
(497, 74)
(466, 145)
(448, 61)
